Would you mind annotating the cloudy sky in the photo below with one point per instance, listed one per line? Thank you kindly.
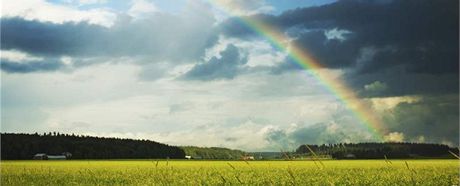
(189, 72)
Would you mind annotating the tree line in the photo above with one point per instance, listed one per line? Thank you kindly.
(212, 153)
(25, 146)
(379, 150)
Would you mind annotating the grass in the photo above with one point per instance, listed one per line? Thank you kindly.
(153, 172)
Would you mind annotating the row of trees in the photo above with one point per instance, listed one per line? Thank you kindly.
(379, 150)
(25, 146)
(212, 153)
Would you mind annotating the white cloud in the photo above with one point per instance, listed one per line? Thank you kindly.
(420, 139)
(394, 137)
(228, 8)
(108, 99)
(376, 88)
(387, 103)
(244, 7)
(45, 11)
(260, 52)
(337, 34)
(141, 8)
(89, 2)
(246, 135)
(66, 60)
(84, 2)
(18, 56)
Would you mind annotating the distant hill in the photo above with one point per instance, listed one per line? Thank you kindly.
(25, 146)
(379, 150)
(212, 153)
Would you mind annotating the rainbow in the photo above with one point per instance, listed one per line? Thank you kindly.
(302, 58)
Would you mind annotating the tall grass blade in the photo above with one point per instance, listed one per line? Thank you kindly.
(455, 155)
(231, 166)
(315, 156)
(386, 159)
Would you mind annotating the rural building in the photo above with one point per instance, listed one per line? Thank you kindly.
(43, 156)
(247, 158)
(56, 157)
(40, 156)
(68, 155)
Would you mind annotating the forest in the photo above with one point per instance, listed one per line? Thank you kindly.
(25, 146)
(379, 150)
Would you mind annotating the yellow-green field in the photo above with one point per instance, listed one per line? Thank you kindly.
(152, 172)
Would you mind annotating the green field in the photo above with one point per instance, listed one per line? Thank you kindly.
(152, 172)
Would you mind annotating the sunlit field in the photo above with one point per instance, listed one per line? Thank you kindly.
(148, 172)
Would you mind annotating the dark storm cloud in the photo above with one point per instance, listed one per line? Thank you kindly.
(410, 45)
(423, 34)
(225, 67)
(433, 118)
(31, 66)
(49, 39)
(392, 48)
(83, 39)
(160, 37)
(397, 81)
(333, 53)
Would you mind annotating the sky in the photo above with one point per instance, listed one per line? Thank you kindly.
(190, 72)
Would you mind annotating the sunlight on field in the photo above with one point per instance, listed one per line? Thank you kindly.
(142, 172)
